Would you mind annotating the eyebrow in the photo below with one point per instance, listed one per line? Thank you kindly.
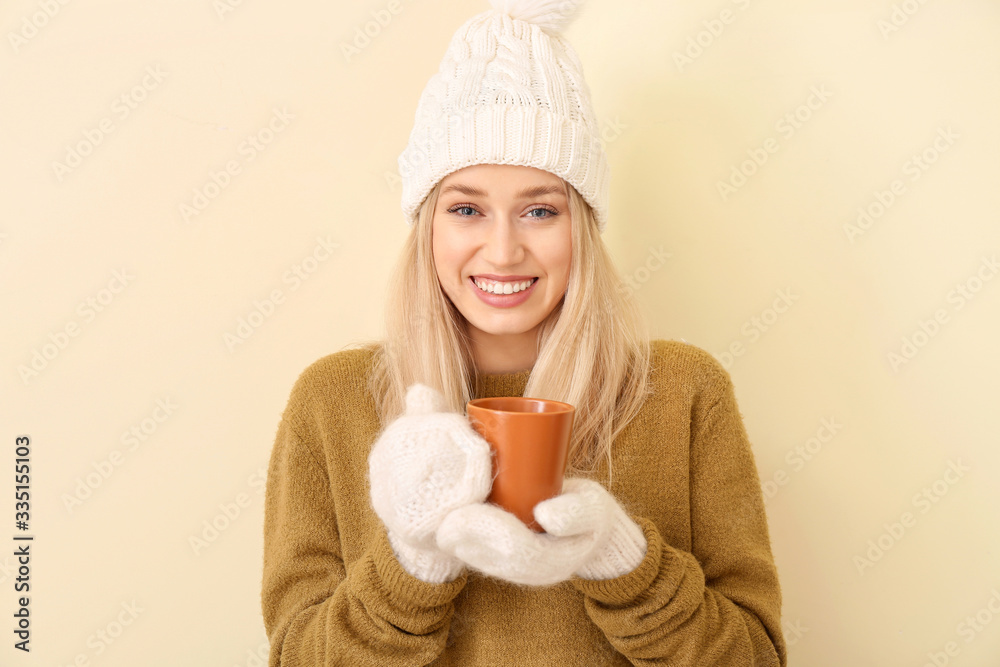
(526, 193)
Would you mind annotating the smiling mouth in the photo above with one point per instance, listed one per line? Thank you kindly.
(496, 287)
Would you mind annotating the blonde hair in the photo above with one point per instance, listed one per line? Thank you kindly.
(593, 349)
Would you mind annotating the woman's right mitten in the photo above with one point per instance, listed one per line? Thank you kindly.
(425, 464)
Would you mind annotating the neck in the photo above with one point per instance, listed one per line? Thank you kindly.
(504, 353)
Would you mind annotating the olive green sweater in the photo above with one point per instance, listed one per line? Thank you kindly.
(707, 592)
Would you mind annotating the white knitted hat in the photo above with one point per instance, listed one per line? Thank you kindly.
(510, 90)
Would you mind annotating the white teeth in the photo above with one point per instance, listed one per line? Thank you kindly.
(493, 287)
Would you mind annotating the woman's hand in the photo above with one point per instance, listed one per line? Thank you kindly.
(587, 534)
(425, 464)
(585, 506)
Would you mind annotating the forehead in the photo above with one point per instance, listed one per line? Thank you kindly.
(502, 177)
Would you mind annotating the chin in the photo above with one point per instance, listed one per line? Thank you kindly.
(512, 328)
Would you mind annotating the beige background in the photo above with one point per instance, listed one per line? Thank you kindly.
(817, 380)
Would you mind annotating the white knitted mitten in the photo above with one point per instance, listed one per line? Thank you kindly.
(585, 506)
(425, 464)
(587, 533)
(494, 541)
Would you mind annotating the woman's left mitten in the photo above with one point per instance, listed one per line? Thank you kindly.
(585, 507)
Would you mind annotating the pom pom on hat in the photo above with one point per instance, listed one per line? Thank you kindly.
(549, 15)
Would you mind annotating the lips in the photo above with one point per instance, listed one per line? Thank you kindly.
(501, 287)
(503, 300)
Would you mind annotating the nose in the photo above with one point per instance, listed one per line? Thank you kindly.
(503, 245)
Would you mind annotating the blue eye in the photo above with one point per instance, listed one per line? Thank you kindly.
(456, 209)
(542, 208)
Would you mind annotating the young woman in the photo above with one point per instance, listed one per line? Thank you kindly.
(379, 547)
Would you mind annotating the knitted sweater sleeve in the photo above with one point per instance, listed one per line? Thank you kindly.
(720, 603)
(319, 612)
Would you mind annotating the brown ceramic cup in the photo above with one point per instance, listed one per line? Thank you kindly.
(530, 441)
